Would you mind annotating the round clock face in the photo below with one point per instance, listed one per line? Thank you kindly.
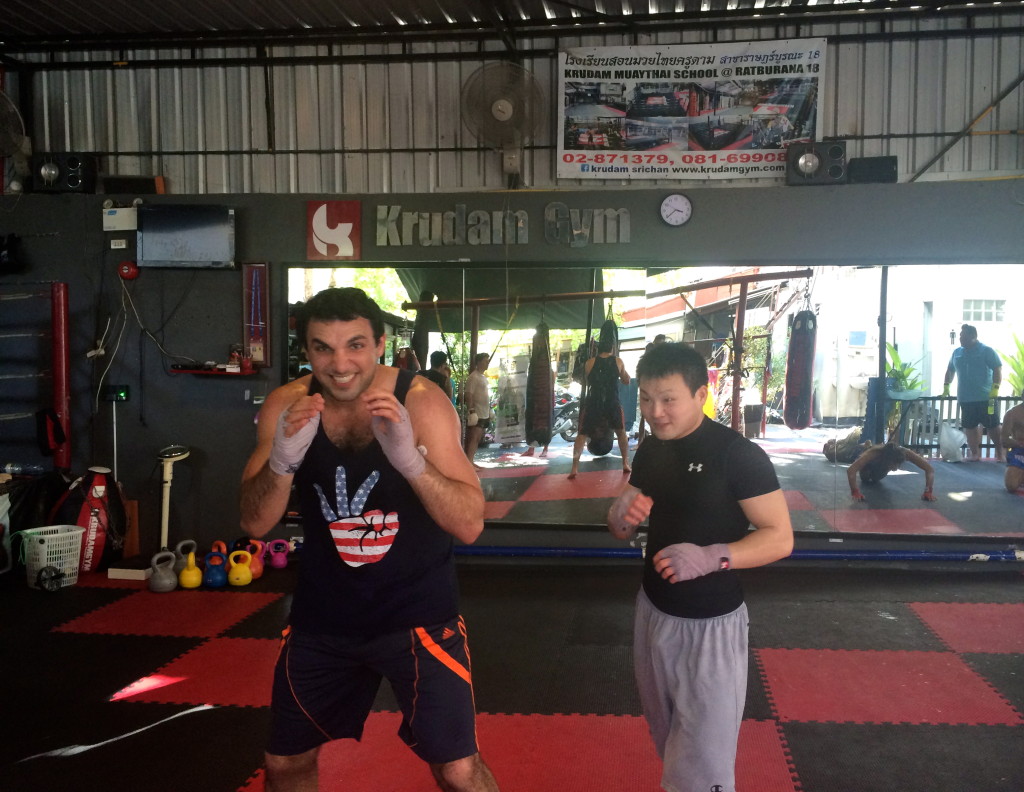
(676, 209)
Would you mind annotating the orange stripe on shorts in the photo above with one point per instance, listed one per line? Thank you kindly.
(431, 646)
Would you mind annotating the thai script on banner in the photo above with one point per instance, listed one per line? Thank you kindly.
(707, 111)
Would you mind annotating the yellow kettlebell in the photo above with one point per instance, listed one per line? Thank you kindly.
(240, 573)
(190, 576)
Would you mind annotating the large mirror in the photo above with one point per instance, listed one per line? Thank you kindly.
(832, 361)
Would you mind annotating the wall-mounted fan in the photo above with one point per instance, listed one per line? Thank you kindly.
(502, 105)
(14, 144)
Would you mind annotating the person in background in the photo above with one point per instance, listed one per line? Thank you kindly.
(703, 486)
(876, 462)
(1013, 441)
(601, 408)
(439, 372)
(978, 373)
(478, 404)
(384, 489)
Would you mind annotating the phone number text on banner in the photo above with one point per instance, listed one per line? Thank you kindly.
(714, 111)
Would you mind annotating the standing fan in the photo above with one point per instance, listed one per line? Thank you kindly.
(14, 144)
(502, 105)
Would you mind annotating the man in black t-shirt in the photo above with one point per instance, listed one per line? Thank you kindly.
(439, 372)
(703, 486)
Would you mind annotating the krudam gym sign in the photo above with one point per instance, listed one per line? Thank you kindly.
(335, 228)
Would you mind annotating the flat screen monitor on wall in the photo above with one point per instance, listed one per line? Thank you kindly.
(186, 236)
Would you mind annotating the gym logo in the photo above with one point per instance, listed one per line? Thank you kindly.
(359, 538)
(333, 230)
(695, 467)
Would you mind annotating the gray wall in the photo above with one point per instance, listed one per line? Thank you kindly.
(198, 313)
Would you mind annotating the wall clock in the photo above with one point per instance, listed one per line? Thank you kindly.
(676, 209)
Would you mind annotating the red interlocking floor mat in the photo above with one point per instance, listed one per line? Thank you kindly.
(543, 753)
(891, 521)
(820, 685)
(222, 671)
(190, 613)
(975, 627)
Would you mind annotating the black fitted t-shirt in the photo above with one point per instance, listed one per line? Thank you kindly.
(373, 560)
(696, 483)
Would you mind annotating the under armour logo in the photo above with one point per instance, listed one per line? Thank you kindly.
(695, 467)
(323, 235)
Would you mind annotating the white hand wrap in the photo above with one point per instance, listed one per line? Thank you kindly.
(287, 453)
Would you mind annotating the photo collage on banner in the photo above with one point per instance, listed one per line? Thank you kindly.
(709, 111)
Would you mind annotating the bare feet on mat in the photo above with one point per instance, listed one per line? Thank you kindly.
(528, 452)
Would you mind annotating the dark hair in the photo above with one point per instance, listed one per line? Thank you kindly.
(480, 356)
(609, 337)
(969, 330)
(339, 304)
(892, 455)
(438, 358)
(660, 338)
(664, 360)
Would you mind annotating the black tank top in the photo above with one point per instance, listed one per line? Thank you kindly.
(372, 559)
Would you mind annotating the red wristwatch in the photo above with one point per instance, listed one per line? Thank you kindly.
(723, 563)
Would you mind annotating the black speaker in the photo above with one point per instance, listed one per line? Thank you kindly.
(817, 163)
(866, 170)
(58, 173)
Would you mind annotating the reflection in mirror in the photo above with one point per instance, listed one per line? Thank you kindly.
(869, 382)
(824, 411)
(499, 311)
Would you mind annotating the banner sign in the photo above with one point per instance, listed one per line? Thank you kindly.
(706, 111)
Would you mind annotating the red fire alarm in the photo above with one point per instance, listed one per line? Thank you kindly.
(128, 270)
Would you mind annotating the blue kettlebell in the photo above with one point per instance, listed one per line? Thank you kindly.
(216, 574)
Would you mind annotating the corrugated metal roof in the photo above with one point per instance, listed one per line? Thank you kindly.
(34, 25)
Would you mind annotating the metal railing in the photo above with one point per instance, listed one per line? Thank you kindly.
(919, 428)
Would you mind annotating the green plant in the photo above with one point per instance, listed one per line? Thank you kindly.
(1016, 365)
(904, 375)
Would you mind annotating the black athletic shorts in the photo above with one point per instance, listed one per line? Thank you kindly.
(974, 414)
(325, 686)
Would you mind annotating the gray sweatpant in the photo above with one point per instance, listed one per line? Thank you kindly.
(692, 677)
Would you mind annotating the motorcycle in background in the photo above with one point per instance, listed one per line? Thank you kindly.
(566, 420)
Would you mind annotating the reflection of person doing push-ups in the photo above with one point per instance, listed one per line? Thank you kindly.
(1013, 441)
(878, 461)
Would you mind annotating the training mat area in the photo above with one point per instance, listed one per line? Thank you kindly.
(867, 679)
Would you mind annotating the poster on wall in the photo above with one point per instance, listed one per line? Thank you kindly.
(706, 111)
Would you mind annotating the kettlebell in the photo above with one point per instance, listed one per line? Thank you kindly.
(181, 553)
(163, 578)
(219, 547)
(190, 576)
(258, 550)
(278, 549)
(216, 574)
(240, 574)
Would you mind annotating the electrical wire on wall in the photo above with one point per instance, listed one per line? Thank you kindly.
(115, 329)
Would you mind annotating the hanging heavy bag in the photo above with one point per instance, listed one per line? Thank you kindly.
(540, 397)
(798, 399)
(94, 502)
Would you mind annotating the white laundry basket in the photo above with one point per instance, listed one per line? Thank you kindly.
(58, 546)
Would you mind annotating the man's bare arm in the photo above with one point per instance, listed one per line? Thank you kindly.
(264, 493)
(772, 538)
(448, 487)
